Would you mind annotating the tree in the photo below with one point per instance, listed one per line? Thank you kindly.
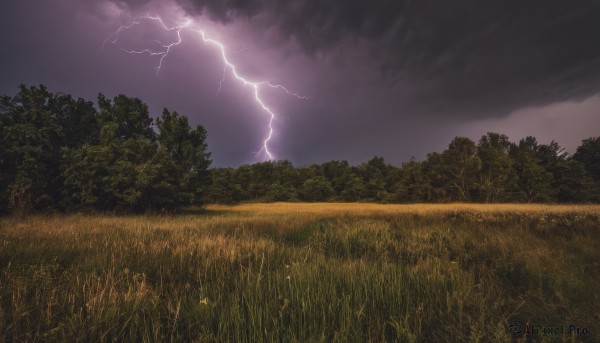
(132, 170)
(588, 156)
(115, 173)
(588, 153)
(354, 189)
(531, 181)
(263, 175)
(435, 171)
(412, 184)
(338, 174)
(78, 120)
(375, 177)
(569, 180)
(123, 175)
(129, 114)
(285, 176)
(461, 165)
(30, 147)
(571, 183)
(223, 188)
(316, 189)
(188, 151)
(493, 152)
(279, 192)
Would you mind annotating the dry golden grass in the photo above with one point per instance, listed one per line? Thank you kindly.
(302, 272)
(421, 209)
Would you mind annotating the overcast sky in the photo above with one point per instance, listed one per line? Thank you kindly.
(395, 78)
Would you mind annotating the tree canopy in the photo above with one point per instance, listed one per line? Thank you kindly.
(61, 153)
(64, 154)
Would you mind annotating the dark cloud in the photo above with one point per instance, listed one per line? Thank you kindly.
(388, 78)
(470, 57)
(130, 5)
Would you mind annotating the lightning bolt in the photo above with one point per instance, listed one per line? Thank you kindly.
(164, 49)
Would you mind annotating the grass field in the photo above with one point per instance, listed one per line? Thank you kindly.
(303, 272)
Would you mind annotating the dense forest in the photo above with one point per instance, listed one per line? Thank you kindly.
(59, 153)
(493, 170)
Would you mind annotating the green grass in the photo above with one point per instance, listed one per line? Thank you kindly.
(302, 272)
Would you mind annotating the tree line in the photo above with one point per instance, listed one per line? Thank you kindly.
(492, 170)
(66, 154)
(61, 153)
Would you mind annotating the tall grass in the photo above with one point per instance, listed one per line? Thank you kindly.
(302, 272)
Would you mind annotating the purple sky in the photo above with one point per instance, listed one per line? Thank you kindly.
(389, 78)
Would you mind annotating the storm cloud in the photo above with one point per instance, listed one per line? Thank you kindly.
(388, 78)
(475, 57)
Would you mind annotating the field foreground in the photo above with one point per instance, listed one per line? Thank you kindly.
(305, 272)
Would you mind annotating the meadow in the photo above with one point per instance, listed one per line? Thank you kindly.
(304, 273)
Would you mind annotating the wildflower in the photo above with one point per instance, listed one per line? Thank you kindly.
(204, 301)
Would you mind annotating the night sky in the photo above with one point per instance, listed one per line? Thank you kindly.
(389, 78)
